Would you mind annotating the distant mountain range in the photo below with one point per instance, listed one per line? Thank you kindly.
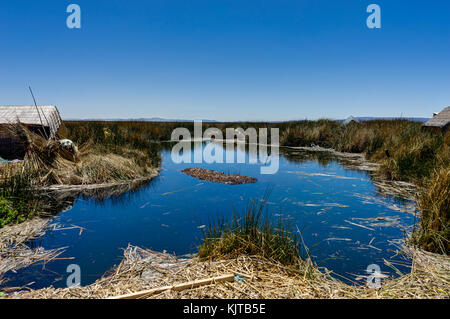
(142, 119)
(414, 119)
(159, 119)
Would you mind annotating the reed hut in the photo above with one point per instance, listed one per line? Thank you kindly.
(349, 120)
(440, 122)
(43, 120)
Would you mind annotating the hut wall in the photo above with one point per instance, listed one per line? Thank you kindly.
(11, 146)
(446, 128)
(432, 129)
(39, 130)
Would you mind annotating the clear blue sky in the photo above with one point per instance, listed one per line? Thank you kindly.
(227, 60)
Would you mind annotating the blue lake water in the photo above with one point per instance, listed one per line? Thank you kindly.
(345, 222)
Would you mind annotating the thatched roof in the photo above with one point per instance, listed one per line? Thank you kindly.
(441, 120)
(46, 115)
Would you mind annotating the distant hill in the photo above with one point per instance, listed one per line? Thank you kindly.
(413, 119)
(142, 119)
(160, 119)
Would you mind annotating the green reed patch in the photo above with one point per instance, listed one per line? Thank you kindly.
(252, 233)
(17, 202)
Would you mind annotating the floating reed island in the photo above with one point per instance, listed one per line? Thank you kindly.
(218, 177)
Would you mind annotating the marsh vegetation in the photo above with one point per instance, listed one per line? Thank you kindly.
(252, 233)
(121, 151)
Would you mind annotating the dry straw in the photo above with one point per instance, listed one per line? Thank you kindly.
(255, 277)
(16, 254)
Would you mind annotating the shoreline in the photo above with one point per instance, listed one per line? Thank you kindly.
(68, 187)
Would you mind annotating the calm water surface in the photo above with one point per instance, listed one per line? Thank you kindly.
(345, 222)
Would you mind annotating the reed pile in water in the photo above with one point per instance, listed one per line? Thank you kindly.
(218, 177)
(14, 251)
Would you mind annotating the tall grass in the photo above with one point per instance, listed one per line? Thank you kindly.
(136, 140)
(17, 201)
(404, 150)
(252, 233)
(434, 203)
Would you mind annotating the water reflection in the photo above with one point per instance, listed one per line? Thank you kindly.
(345, 222)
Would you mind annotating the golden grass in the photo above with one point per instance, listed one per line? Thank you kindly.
(255, 278)
(434, 203)
(46, 163)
